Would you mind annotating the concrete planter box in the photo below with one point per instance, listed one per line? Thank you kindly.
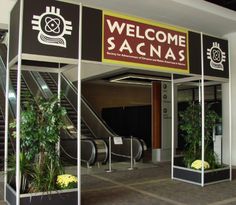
(61, 197)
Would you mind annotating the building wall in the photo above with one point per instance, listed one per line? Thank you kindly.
(107, 95)
(232, 48)
(6, 6)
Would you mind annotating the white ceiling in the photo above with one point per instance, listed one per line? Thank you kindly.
(195, 15)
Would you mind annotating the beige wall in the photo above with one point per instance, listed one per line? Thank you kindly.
(115, 95)
(5, 7)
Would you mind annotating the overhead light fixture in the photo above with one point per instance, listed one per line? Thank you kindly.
(137, 79)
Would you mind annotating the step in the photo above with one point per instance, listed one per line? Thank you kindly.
(2, 145)
(86, 133)
(67, 105)
(73, 118)
(52, 85)
(82, 124)
(71, 112)
(74, 121)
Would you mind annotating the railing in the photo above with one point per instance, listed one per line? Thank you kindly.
(11, 95)
(98, 126)
(92, 150)
(47, 93)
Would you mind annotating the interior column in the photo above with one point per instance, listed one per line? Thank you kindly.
(156, 119)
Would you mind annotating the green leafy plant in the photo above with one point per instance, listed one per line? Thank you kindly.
(41, 122)
(191, 125)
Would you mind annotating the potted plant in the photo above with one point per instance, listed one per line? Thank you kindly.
(189, 167)
(191, 126)
(40, 166)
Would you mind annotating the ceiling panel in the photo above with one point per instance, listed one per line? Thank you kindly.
(229, 4)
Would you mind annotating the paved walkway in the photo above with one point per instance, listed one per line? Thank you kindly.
(151, 186)
(1, 188)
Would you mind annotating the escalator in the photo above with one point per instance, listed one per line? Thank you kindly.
(11, 145)
(92, 126)
(28, 86)
(92, 150)
(25, 92)
(100, 128)
(2, 148)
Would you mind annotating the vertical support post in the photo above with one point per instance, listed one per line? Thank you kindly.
(59, 85)
(18, 114)
(131, 154)
(109, 160)
(203, 112)
(59, 100)
(199, 92)
(230, 119)
(6, 121)
(79, 105)
(172, 126)
(18, 99)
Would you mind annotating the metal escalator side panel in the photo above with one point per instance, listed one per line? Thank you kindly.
(12, 94)
(88, 151)
(102, 150)
(124, 150)
(3, 53)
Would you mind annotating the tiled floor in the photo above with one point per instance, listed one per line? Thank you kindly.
(1, 188)
(149, 184)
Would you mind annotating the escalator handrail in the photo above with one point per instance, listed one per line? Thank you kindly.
(12, 144)
(72, 86)
(86, 103)
(74, 91)
(12, 104)
(102, 122)
(97, 119)
(40, 82)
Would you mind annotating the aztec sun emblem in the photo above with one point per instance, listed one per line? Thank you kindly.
(52, 27)
(216, 56)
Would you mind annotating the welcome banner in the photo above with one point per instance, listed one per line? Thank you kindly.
(133, 41)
